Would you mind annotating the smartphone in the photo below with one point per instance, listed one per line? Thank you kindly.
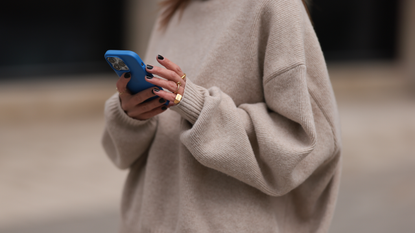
(123, 61)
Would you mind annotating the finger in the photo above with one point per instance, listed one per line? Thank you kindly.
(123, 93)
(170, 104)
(165, 84)
(142, 96)
(129, 102)
(152, 113)
(164, 73)
(146, 107)
(165, 95)
(122, 83)
(170, 65)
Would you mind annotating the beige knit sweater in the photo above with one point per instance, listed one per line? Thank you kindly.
(254, 146)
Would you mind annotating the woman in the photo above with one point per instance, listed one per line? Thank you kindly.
(250, 142)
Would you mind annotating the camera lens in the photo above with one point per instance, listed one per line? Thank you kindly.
(121, 63)
(111, 59)
(116, 66)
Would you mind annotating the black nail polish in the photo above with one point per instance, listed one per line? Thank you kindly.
(162, 100)
(127, 75)
(163, 108)
(148, 77)
(149, 67)
(156, 90)
(160, 57)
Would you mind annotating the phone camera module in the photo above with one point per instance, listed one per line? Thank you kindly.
(117, 67)
(112, 59)
(121, 63)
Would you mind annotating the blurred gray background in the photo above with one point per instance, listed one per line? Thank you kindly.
(55, 177)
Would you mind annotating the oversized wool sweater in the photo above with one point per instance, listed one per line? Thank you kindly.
(254, 145)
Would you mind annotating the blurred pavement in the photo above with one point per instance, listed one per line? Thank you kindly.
(55, 177)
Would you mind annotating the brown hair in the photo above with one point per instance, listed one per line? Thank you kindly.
(171, 6)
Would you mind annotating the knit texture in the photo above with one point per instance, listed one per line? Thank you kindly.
(254, 145)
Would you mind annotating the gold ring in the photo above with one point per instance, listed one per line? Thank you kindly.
(178, 86)
(177, 99)
(184, 77)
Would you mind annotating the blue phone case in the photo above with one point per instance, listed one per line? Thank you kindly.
(122, 61)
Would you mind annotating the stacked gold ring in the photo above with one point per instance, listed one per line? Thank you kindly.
(184, 77)
(178, 99)
(178, 86)
(178, 96)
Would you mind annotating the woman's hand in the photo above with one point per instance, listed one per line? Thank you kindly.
(175, 79)
(133, 105)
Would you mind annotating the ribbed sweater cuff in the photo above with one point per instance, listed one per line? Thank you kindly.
(113, 111)
(192, 102)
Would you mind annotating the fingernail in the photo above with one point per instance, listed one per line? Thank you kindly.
(160, 57)
(155, 90)
(127, 75)
(162, 100)
(149, 67)
(163, 108)
(148, 77)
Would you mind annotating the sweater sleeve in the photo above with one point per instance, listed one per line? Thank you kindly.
(121, 132)
(273, 145)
